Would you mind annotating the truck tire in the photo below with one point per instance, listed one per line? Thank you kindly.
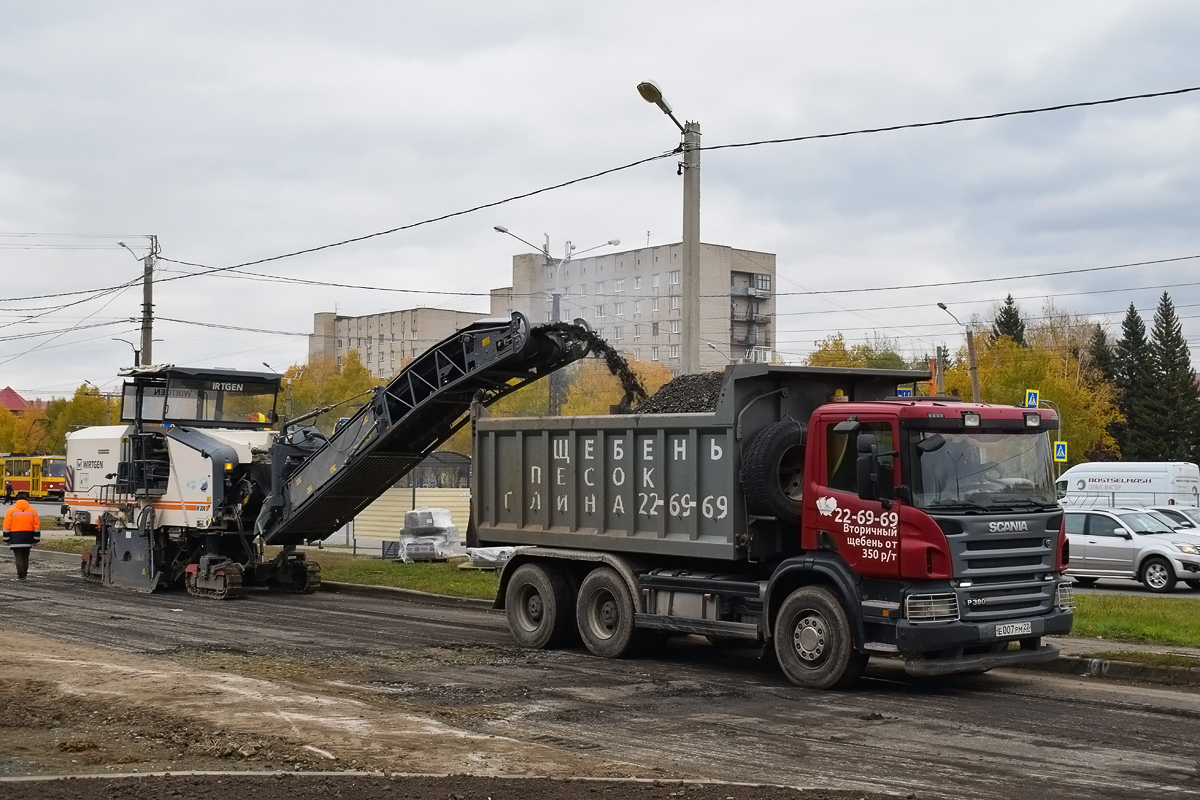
(773, 470)
(813, 642)
(1157, 575)
(537, 604)
(604, 613)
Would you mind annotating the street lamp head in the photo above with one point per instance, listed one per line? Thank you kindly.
(652, 94)
(614, 242)
(499, 229)
(942, 306)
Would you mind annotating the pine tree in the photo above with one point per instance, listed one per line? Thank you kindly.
(1009, 323)
(1172, 420)
(1133, 374)
(1100, 355)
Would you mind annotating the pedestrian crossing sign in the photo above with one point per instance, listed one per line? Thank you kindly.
(1060, 451)
(1031, 398)
(904, 393)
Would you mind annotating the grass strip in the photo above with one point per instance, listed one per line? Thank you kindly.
(423, 576)
(1157, 619)
(72, 544)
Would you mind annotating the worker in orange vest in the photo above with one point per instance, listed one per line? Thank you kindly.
(22, 530)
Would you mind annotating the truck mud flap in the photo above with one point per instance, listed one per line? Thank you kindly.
(924, 668)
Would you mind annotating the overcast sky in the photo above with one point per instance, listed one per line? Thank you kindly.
(236, 131)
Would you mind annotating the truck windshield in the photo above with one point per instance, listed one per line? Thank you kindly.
(979, 470)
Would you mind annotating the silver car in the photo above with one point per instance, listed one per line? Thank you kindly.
(1182, 516)
(1135, 545)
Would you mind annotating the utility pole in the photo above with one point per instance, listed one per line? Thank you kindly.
(147, 356)
(939, 373)
(690, 351)
(974, 368)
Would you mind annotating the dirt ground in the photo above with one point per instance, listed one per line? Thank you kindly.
(456, 787)
(70, 709)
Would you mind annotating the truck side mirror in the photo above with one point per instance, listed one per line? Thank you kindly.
(868, 466)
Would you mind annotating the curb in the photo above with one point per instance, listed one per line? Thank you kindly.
(1119, 670)
(407, 594)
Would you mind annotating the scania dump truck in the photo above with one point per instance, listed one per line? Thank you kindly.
(811, 510)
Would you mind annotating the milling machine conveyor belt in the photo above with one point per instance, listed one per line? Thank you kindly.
(404, 422)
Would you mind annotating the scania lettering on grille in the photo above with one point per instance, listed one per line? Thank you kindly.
(1002, 527)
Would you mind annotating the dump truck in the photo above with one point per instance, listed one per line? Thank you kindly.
(812, 511)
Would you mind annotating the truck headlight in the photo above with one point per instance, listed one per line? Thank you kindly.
(1187, 547)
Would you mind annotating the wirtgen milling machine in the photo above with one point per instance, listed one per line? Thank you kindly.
(193, 486)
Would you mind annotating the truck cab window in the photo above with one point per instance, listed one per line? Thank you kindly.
(842, 455)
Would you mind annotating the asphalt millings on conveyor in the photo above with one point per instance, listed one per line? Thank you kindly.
(687, 394)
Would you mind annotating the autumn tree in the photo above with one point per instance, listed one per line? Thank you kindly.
(1006, 369)
(877, 352)
(593, 389)
(325, 382)
(86, 408)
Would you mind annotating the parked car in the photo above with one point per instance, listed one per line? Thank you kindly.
(1181, 514)
(1174, 523)
(1131, 544)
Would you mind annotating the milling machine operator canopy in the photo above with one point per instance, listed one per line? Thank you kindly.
(199, 398)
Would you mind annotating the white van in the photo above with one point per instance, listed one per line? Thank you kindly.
(1142, 483)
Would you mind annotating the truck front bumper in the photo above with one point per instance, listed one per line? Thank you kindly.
(945, 648)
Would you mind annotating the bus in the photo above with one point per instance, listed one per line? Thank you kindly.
(33, 477)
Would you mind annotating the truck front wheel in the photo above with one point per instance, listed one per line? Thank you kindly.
(538, 606)
(604, 611)
(813, 642)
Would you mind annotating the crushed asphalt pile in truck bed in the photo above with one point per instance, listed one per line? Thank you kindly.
(687, 394)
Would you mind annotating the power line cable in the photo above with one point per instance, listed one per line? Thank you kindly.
(953, 120)
(639, 162)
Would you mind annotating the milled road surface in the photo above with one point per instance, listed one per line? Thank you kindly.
(396, 685)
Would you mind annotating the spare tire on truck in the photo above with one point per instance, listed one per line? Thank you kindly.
(773, 470)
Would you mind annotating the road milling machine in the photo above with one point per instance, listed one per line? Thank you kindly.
(195, 487)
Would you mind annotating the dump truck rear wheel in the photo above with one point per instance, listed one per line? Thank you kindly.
(539, 607)
(604, 612)
(813, 642)
(773, 470)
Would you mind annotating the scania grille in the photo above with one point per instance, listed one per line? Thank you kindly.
(1003, 575)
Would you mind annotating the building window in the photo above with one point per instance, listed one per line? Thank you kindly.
(582, 289)
(762, 283)
(619, 285)
(674, 351)
(619, 333)
(654, 329)
(654, 280)
(637, 332)
(600, 312)
(674, 326)
(599, 288)
(339, 343)
(549, 316)
(654, 304)
(637, 282)
(637, 307)
(550, 273)
(637, 354)
(654, 354)
(674, 302)
(619, 309)
(674, 276)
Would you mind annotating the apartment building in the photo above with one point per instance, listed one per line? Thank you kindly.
(634, 300)
(387, 341)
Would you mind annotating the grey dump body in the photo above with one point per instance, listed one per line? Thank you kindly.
(655, 484)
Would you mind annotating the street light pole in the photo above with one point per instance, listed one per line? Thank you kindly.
(690, 269)
(972, 367)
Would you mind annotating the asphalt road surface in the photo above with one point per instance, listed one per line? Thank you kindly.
(691, 710)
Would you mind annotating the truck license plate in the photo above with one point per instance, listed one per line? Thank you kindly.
(1014, 629)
